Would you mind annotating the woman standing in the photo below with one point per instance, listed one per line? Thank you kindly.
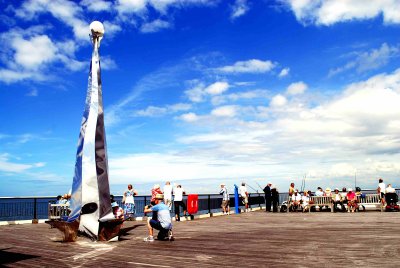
(129, 202)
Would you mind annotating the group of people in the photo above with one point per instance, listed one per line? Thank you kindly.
(340, 199)
(63, 199)
(160, 206)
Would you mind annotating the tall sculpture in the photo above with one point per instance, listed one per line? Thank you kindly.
(91, 211)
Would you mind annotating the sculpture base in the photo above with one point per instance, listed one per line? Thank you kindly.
(109, 229)
(69, 230)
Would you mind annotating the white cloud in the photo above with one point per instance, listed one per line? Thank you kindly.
(155, 26)
(154, 111)
(369, 60)
(334, 11)
(107, 63)
(7, 166)
(199, 91)
(96, 5)
(68, 12)
(296, 88)
(284, 72)
(239, 8)
(30, 54)
(278, 101)
(34, 52)
(249, 66)
(328, 138)
(217, 88)
(251, 94)
(224, 111)
(189, 117)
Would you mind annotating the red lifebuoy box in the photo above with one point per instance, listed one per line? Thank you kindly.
(193, 204)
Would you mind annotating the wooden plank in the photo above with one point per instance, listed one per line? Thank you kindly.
(251, 239)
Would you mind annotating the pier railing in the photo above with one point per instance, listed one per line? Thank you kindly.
(35, 208)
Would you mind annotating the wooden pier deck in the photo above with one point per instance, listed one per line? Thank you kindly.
(255, 239)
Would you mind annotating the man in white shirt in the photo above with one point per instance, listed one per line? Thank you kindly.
(168, 194)
(178, 201)
(244, 196)
(319, 192)
(296, 200)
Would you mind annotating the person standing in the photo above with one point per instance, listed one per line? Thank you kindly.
(244, 195)
(225, 199)
(275, 198)
(178, 201)
(129, 202)
(382, 190)
(267, 192)
(291, 189)
(168, 194)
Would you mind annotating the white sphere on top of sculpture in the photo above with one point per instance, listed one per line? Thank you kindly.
(97, 28)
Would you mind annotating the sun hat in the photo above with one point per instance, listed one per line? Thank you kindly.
(223, 184)
(114, 204)
(336, 189)
(350, 190)
(328, 189)
(156, 186)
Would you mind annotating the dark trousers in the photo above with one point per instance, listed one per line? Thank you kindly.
(268, 203)
(335, 207)
(275, 204)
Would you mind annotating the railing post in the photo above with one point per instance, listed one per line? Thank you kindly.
(259, 200)
(249, 198)
(209, 205)
(35, 219)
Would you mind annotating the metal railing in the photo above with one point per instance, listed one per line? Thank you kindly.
(34, 208)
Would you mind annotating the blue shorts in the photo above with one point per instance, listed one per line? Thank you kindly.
(157, 225)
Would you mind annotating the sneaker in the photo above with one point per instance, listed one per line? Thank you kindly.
(148, 239)
(170, 236)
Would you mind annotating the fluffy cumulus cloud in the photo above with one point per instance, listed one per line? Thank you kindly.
(333, 11)
(363, 61)
(67, 12)
(199, 92)
(29, 53)
(249, 66)
(284, 72)
(278, 101)
(224, 111)
(296, 88)
(239, 8)
(355, 131)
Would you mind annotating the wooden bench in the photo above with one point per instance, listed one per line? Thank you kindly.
(58, 211)
(320, 201)
(370, 199)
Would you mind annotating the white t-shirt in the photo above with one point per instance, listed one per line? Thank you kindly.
(319, 193)
(382, 187)
(168, 192)
(305, 200)
(178, 194)
(242, 191)
(296, 197)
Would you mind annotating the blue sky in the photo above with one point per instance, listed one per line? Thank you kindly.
(201, 92)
